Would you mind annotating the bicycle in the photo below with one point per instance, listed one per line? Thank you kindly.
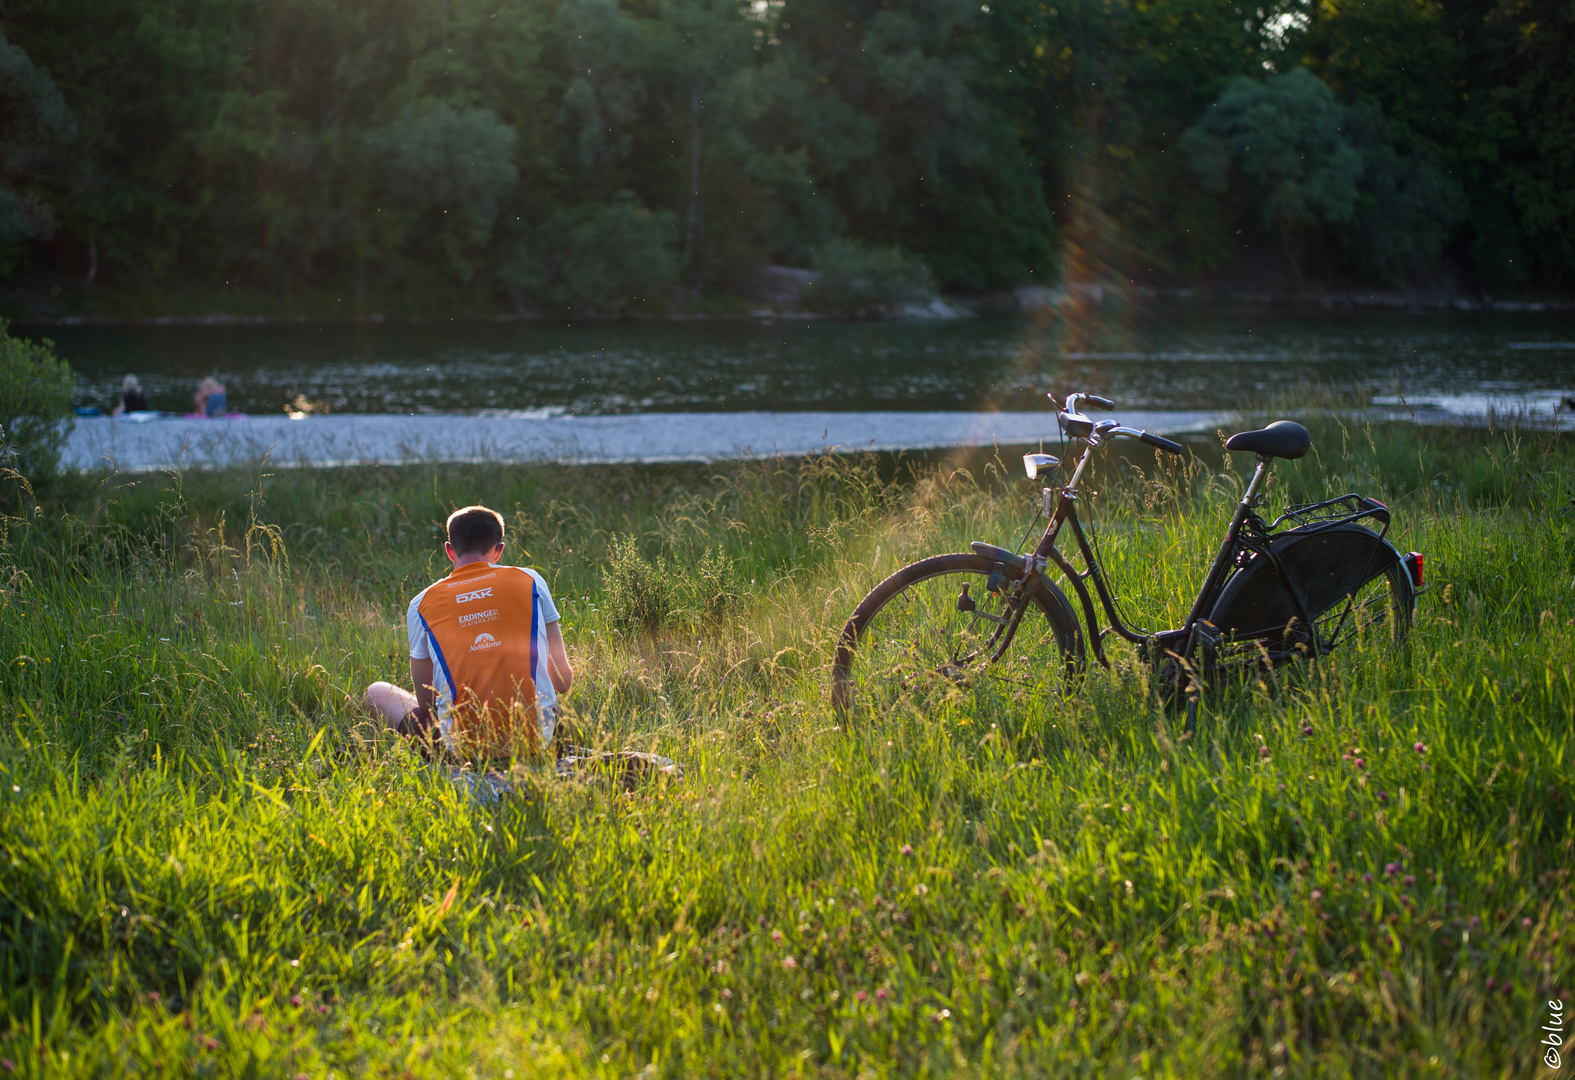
(1315, 579)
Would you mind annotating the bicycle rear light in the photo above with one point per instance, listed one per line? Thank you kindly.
(1034, 464)
(1413, 565)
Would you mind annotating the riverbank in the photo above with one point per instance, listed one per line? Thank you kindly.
(215, 867)
(260, 309)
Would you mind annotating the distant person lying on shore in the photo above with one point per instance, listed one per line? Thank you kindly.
(132, 399)
(486, 653)
(211, 399)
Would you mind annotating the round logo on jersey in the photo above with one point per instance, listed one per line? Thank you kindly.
(485, 641)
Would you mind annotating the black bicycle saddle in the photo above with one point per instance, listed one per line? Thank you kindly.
(1281, 439)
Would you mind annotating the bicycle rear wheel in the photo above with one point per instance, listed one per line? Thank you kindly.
(926, 634)
(1256, 613)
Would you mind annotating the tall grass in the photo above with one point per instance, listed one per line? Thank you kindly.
(212, 866)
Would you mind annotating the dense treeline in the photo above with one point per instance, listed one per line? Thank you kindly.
(588, 153)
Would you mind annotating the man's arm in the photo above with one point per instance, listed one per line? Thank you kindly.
(421, 676)
(557, 660)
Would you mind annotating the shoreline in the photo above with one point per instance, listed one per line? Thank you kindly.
(1027, 301)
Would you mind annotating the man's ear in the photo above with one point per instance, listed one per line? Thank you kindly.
(448, 549)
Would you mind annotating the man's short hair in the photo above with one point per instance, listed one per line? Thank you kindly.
(475, 530)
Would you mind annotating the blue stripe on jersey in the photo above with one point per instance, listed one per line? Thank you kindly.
(437, 651)
(535, 642)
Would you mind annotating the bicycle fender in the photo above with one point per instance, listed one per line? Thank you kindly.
(1323, 567)
(1000, 554)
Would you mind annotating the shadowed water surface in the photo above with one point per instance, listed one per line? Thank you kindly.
(1166, 357)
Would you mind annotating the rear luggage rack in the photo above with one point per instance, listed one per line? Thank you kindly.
(1320, 515)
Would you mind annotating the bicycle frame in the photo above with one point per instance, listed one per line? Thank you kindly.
(1046, 552)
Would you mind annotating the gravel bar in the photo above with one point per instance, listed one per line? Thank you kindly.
(377, 439)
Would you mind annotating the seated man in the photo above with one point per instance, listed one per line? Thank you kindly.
(486, 653)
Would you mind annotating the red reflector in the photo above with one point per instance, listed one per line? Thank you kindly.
(1415, 559)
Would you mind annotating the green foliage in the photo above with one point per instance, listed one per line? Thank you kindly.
(602, 259)
(640, 595)
(1541, 96)
(857, 280)
(35, 403)
(448, 170)
(37, 129)
(1409, 209)
(1286, 136)
(575, 154)
(646, 596)
(212, 866)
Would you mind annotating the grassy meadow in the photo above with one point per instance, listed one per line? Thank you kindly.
(211, 866)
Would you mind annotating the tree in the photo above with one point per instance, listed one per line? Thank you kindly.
(37, 130)
(1286, 137)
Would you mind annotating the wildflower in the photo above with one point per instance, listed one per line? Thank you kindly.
(1491, 982)
(1367, 878)
(776, 937)
(881, 993)
(1391, 869)
(790, 964)
(907, 849)
(295, 999)
(1360, 763)
(860, 996)
(1317, 894)
(1383, 796)
(1307, 729)
(944, 1014)
(1263, 751)
(1526, 923)
(1410, 880)
(1419, 747)
(1505, 988)
(154, 997)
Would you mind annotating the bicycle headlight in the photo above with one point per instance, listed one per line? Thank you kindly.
(1034, 464)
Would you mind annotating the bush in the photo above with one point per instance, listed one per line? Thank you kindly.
(604, 260)
(647, 595)
(639, 593)
(715, 585)
(858, 280)
(35, 402)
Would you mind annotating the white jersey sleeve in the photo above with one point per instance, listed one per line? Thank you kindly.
(417, 632)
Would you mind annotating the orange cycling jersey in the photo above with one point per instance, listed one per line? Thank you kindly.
(484, 627)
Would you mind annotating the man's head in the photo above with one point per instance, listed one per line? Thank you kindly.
(474, 532)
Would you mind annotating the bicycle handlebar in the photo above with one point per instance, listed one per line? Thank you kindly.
(1077, 426)
(1160, 442)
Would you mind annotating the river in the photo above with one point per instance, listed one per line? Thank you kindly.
(1165, 357)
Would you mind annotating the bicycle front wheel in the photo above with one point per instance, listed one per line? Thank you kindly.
(929, 632)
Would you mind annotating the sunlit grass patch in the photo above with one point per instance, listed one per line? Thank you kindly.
(211, 864)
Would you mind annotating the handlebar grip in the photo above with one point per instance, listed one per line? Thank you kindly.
(1162, 443)
(1097, 402)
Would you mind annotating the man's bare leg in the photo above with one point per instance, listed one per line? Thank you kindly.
(389, 703)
